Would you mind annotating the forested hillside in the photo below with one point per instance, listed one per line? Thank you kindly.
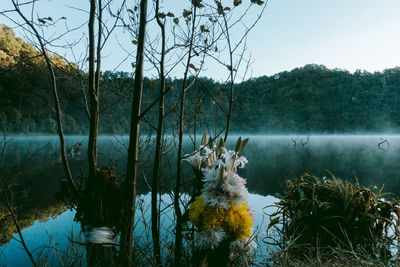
(317, 99)
(308, 99)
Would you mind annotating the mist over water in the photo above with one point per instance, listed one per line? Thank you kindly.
(369, 159)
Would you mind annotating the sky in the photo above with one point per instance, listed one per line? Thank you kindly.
(345, 34)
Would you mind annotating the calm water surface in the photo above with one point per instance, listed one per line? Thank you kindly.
(35, 167)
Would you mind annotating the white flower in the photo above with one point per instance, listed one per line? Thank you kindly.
(233, 160)
(240, 196)
(233, 183)
(241, 162)
(195, 160)
(210, 239)
(239, 247)
(217, 201)
(210, 155)
(210, 178)
(223, 188)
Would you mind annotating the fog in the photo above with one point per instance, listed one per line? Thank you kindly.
(370, 159)
(373, 160)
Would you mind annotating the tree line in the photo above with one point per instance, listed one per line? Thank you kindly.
(46, 93)
(312, 98)
(199, 32)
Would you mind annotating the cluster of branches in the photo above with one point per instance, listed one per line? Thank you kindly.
(166, 44)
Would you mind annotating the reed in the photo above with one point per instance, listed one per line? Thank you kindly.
(321, 220)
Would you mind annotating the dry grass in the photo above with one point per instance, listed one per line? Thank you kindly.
(333, 222)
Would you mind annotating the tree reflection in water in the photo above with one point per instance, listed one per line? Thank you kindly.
(272, 159)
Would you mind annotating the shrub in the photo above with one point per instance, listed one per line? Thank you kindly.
(317, 215)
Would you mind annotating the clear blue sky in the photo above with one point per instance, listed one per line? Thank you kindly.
(347, 34)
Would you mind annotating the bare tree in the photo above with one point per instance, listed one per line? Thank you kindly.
(229, 22)
(5, 192)
(133, 149)
(196, 41)
(93, 83)
(155, 223)
(223, 17)
(178, 212)
(44, 53)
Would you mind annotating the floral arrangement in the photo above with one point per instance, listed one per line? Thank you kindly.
(221, 212)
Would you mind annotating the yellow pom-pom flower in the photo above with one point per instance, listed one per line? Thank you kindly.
(196, 210)
(236, 219)
(239, 220)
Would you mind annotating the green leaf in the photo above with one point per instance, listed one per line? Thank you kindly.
(197, 3)
(186, 13)
(204, 138)
(258, 2)
(210, 143)
(220, 146)
(244, 143)
(237, 2)
(275, 213)
(192, 66)
(273, 222)
(221, 143)
(238, 144)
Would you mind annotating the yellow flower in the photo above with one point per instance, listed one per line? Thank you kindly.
(213, 217)
(236, 219)
(239, 221)
(196, 210)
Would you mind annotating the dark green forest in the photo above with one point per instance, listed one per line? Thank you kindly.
(312, 98)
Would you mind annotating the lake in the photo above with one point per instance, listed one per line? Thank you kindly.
(33, 165)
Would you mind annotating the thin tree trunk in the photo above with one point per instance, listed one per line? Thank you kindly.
(155, 224)
(16, 224)
(178, 212)
(232, 82)
(93, 93)
(133, 150)
(56, 100)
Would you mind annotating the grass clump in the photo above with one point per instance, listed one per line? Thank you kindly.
(323, 219)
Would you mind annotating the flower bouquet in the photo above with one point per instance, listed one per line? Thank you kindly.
(221, 214)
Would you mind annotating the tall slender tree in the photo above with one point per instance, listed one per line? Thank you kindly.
(155, 222)
(133, 149)
(178, 212)
(57, 107)
(93, 83)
